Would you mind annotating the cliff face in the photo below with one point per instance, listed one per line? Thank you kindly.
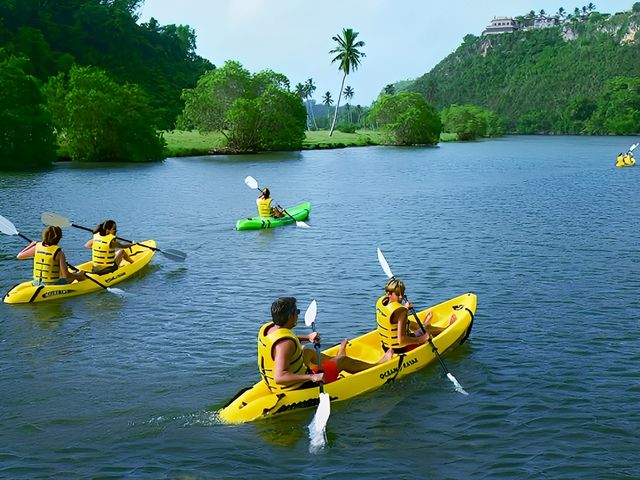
(539, 72)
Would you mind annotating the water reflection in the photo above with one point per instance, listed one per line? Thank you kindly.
(50, 316)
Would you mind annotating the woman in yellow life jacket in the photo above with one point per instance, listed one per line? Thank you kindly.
(265, 210)
(285, 364)
(106, 251)
(396, 332)
(49, 261)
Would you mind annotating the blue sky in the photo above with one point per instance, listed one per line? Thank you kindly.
(404, 38)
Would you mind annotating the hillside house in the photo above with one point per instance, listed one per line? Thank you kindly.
(501, 25)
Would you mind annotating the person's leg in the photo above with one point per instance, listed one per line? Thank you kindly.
(120, 254)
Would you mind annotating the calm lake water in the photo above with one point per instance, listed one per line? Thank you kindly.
(543, 229)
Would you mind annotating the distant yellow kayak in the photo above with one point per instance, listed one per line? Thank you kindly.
(27, 292)
(259, 402)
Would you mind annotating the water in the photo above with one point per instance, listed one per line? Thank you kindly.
(543, 229)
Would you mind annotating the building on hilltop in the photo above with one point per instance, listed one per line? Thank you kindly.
(501, 25)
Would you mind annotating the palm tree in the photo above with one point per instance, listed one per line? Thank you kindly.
(348, 95)
(302, 93)
(309, 88)
(328, 101)
(348, 56)
(389, 89)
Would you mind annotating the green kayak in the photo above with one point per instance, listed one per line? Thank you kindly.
(297, 213)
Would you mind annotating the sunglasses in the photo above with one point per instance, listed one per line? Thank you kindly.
(296, 311)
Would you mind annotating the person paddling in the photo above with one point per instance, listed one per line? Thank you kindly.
(49, 261)
(106, 251)
(286, 365)
(394, 328)
(265, 210)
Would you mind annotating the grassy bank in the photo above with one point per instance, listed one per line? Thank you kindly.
(186, 144)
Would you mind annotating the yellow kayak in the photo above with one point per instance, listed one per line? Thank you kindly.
(258, 402)
(27, 292)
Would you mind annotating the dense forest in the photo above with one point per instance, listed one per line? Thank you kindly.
(54, 35)
(573, 77)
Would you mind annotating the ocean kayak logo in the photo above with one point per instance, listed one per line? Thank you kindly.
(55, 292)
(393, 371)
(115, 277)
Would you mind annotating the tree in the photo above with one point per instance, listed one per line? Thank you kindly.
(407, 119)
(309, 88)
(99, 120)
(26, 130)
(617, 108)
(348, 57)
(348, 95)
(253, 112)
(327, 101)
(389, 89)
(470, 121)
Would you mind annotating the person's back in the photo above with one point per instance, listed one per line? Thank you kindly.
(264, 204)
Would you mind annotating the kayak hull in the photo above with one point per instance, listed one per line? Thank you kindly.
(27, 292)
(299, 213)
(257, 402)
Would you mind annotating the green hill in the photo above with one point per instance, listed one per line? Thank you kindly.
(540, 80)
(53, 35)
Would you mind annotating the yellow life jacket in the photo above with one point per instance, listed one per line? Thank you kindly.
(46, 266)
(102, 253)
(266, 362)
(619, 160)
(629, 160)
(389, 331)
(264, 207)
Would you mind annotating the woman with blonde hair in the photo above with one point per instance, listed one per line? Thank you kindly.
(392, 317)
(49, 261)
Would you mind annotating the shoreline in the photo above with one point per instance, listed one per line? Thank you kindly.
(182, 143)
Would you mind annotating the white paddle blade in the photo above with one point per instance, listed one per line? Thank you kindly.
(317, 427)
(251, 182)
(384, 264)
(7, 227)
(633, 147)
(302, 225)
(310, 314)
(456, 385)
(117, 291)
(55, 220)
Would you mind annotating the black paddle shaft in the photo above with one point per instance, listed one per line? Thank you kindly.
(433, 347)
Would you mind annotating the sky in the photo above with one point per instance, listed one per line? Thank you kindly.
(403, 38)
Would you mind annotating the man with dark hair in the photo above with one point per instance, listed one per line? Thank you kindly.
(286, 365)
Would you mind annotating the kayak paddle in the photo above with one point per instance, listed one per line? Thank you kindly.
(632, 147)
(9, 228)
(57, 220)
(387, 270)
(317, 427)
(253, 184)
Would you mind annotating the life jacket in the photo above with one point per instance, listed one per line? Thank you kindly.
(264, 207)
(389, 331)
(629, 160)
(619, 160)
(103, 255)
(266, 362)
(46, 267)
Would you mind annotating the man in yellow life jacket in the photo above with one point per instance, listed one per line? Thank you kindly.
(620, 160)
(265, 210)
(106, 251)
(49, 261)
(396, 332)
(285, 364)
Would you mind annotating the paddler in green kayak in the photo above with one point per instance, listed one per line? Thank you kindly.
(265, 210)
(286, 365)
